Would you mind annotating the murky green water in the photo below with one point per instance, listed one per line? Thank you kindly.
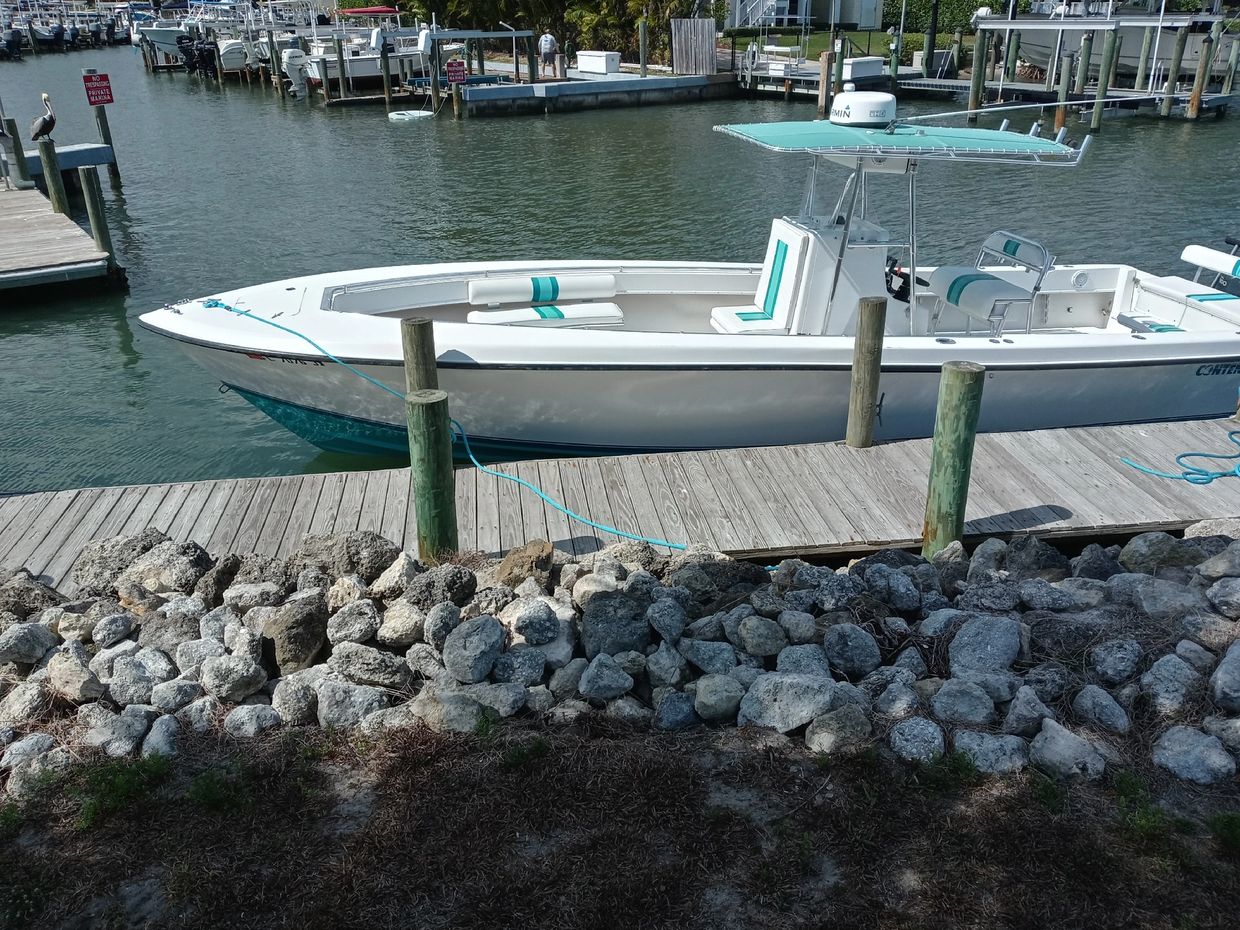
(233, 186)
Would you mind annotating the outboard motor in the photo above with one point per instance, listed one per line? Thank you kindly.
(205, 53)
(185, 45)
(294, 63)
(109, 31)
(13, 42)
(323, 20)
(58, 37)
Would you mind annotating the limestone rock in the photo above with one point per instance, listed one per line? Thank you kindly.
(851, 650)
(72, 680)
(131, 681)
(761, 637)
(448, 711)
(532, 619)
(249, 720)
(809, 659)
(232, 678)
(23, 703)
(403, 625)
(111, 629)
(361, 552)
(1227, 729)
(170, 696)
(711, 657)
(991, 754)
(343, 705)
(897, 700)
(345, 590)
(116, 734)
(784, 702)
(523, 665)
(985, 644)
(1170, 684)
(666, 667)
(614, 621)
(392, 583)
(1193, 756)
(995, 597)
(1096, 563)
(365, 665)
(1094, 705)
(355, 622)
(297, 702)
(604, 679)
(675, 712)
(564, 681)
(441, 620)
(470, 650)
(1116, 660)
(533, 560)
(168, 566)
(1026, 713)
(164, 737)
(916, 740)
(200, 715)
(718, 698)
(26, 642)
(102, 561)
(1225, 682)
(1028, 557)
(192, 653)
(28, 747)
(442, 583)
(840, 731)
(1202, 660)
(961, 701)
(668, 618)
(1063, 755)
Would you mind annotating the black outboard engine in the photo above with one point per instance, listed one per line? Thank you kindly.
(58, 37)
(109, 31)
(13, 42)
(205, 53)
(323, 20)
(185, 45)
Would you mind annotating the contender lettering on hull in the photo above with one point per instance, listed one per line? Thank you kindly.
(1219, 368)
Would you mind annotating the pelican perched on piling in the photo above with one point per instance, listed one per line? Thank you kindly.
(43, 125)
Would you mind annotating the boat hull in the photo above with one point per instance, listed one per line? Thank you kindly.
(514, 411)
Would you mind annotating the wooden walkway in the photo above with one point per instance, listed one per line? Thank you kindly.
(38, 246)
(770, 502)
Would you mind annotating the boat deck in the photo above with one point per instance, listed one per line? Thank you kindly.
(39, 246)
(818, 499)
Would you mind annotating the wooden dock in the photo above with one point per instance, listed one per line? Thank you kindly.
(818, 499)
(38, 246)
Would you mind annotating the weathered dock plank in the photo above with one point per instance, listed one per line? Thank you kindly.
(814, 499)
(38, 246)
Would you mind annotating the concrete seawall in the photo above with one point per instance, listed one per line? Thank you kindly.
(564, 97)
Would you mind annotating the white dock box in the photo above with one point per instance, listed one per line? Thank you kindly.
(864, 67)
(598, 62)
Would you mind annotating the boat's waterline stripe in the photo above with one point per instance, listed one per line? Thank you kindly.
(956, 289)
(544, 288)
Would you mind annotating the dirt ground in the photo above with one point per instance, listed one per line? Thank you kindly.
(598, 827)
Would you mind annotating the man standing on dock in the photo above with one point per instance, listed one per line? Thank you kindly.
(547, 48)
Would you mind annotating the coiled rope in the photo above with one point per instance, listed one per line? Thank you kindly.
(458, 431)
(1195, 474)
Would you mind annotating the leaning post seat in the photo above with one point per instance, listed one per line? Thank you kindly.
(778, 286)
(545, 292)
(983, 296)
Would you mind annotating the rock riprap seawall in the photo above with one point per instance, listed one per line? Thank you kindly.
(1015, 655)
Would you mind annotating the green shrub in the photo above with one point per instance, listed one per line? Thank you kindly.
(117, 785)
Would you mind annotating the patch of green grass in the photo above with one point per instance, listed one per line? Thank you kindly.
(487, 727)
(117, 785)
(1226, 830)
(1049, 793)
(524, 754)
(1139, 817)
(219, 791)
(11, 819)
(950, 773)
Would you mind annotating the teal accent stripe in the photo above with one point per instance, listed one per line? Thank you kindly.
(1011, 247)
(750, 315)
(1213, 297)
(547, 288)
(1164, 328)
(960, 283)
(777, 275)
(1235, 269)
(550, 313)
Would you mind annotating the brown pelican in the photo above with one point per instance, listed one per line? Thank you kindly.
(44, 124)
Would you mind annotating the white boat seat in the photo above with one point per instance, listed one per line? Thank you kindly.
(778, 286)
(984, 296)
(540, 289)
(1212, 260)
(553, 316)
(1182, 293)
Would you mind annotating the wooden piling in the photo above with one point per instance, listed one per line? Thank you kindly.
(277, 69)
(385, 68)
(1233, 63)
(458, 102)
(1104, 81)
(88, 176)
(417, 340)
(1013, 50)
(432, 479)
(326, 82)
(531, 54)
(51, 175)
(956, 50)
(434, 66)
(1065, 81)
(1143, 64)
(343, 86)
(1199, 79)
(1173, 71)
(1082, 64)
(824, 76)
(482, 57)
(430, 442)
(105, 136)
(977, 78)
(951, 453)
(866, 366)
(837, 77)
(893, 66)
(561, 66)
(18, 167)
(643, 44)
